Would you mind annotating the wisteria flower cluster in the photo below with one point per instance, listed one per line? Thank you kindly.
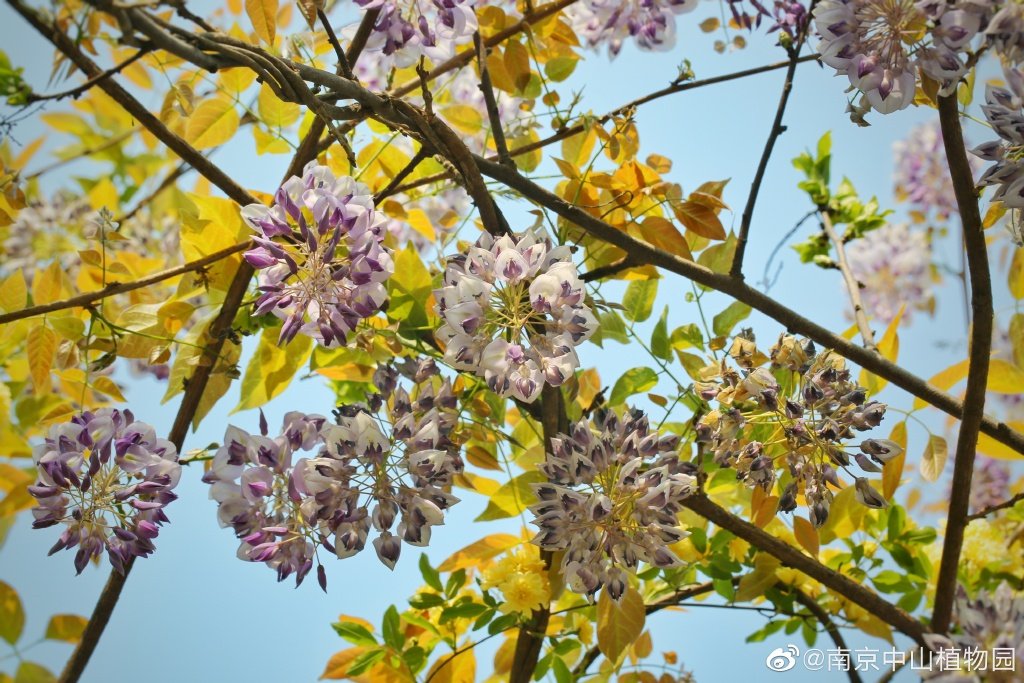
(798, 412)
(514, 311)
(108, 478)
(331, 273)
(651, 23)
(921, 173)
(992, 622)
(1003, 109)
(389, 460)
(408, 30)
(894, 265)
(613, 495)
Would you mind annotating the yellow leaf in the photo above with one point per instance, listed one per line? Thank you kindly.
(889, 347)
(237, 79)
(104, 195)
(263, 15)
(272, 368)
(1017, 339)
(934, 458)
(892, 471)
(213, 123)
(945, 380)
(454, 668)
(41, 347)
(478, 552)
(761, 579)
(806, 535)
(274, 111)
(66, 627)
(420, 222)
(1015, 277)
(659, 163)
(619, 623)
(13, 292)
(699, 219)
(463, 118)
(513, 497)
(17, 500)
(108, 387)
(47, 286)
(340, 662)
(268, 143)
(1005, 378)
(660, 232)
(12, 614)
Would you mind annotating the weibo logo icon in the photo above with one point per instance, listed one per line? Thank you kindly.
(782, 659)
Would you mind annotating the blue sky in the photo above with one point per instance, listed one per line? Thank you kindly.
(193, 611)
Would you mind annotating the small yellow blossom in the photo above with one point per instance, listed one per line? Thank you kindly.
(524, 593)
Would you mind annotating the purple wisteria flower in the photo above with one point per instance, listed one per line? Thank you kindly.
(894, 265)
(514, 311)
(332, 275)
(651, 23)
(612, 500)
(809, 401)
(388, 461)
(992, 623)
(107, 478)
(990, 484)
(1003, 109)
(406, 31)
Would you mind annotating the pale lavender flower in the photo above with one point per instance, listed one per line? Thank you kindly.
(385, 467)
(921, 173)
(650, 23)
(867, 41)
(1003, 109)
(107, 478)
(514, 311)
(433, 29)
(333, 276)
(990, 484)
(1005, 31)
(612, 500)
(992, 622)
(894, 263)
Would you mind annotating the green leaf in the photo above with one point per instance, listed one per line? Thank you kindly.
(392, 628)
(660, 346)
(758, 581)
(639, 299)
(30, 672)
(727, 319)
(613, 328)
(272, 368)
(512, 498)
(12, 614)
(633, 381)
(357, 634)
(430, 575)
(686, 336)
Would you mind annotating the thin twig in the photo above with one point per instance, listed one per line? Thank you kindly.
(87, 152)
(992, 509)
(343, 66)
(79, 90)
(113, 288)
(765, 282)
(830, 626)
(491, 103)
(978, 360)
(624, 263)
(736, 270)
(389, 189)
(852, 284)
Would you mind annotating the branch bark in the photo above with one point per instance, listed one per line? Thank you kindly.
(852, 285)
(826, 622)
(972, 415)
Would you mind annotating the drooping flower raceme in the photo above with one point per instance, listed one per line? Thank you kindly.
(429, 28)
(894, 263)
(389, 460)
(799, 412)
(993, 623)
(333, 275)
(107, 478)
(651, 23)
(612, 500)
(921, 173)
(1003, 109)
(514, 311)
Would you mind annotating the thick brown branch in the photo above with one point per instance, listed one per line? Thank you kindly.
(830, 627)
(740, 291)
(554, 420)
(977, 375)
(852, 285)
(791, 557)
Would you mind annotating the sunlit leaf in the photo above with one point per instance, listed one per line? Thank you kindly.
(620, 623)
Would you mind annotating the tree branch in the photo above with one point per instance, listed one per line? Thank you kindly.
(79, 90)
(826, 621)
(736, 270)
(991, 509)
(794, 322)
(491, 103)
(977, 375)
(852, 285)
